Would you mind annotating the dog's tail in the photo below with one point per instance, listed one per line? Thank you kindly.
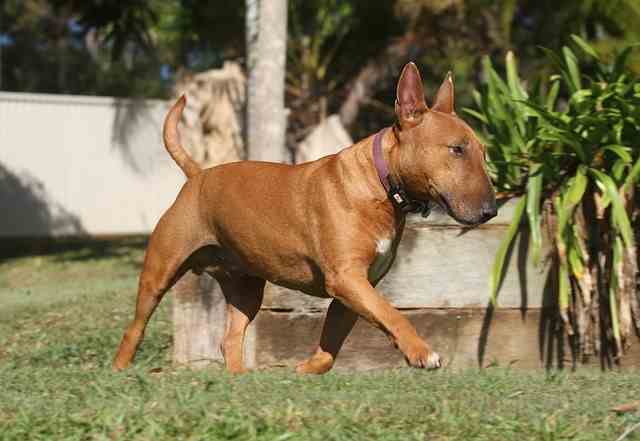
(172, 140)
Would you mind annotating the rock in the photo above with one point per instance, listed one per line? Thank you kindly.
(326, 138)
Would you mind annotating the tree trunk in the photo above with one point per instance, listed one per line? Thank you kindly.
(60, 38)
(266, 55)
(199, 312)
(1, 24)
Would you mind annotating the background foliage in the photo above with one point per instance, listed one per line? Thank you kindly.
(344, 56)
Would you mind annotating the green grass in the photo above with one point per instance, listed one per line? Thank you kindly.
(62, 315)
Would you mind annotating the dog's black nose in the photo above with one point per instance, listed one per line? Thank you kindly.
(488, 211)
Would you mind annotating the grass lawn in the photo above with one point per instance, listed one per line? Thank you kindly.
(62, 315)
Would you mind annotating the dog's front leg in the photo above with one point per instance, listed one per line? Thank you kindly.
(352, 288)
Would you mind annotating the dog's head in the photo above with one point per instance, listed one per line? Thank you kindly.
(439, 157)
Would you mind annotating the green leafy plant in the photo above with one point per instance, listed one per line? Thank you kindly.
(570, 147)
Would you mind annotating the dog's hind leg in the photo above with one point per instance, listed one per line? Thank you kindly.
(337, 326)
(170, 245)
(244, 298)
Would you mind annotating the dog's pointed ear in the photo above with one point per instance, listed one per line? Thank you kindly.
(444, 98)
(410, 103)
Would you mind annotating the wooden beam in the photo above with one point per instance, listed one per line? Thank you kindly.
(198, 320)
(465, 338)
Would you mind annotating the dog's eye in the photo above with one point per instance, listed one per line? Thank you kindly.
(456, 150)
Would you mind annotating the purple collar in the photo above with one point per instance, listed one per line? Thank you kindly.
(378, 160)
(397, 195)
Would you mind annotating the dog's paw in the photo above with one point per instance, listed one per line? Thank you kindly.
(119, 365)
(319, 363)
(236, 368)
(421, 356)
(433, 361)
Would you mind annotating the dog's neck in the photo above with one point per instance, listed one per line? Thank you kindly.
(391, 154)
(370, 186)
(386, 161)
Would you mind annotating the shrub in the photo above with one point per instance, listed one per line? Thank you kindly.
(570, 146)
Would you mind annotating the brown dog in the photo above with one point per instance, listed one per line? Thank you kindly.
(328, 228)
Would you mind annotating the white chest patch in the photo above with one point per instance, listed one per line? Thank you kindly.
(383, 259)
(383, 246)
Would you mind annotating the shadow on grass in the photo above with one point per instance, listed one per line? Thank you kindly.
(73, 249)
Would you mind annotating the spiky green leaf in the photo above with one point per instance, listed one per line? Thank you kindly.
(586, 47)
(620, 218)
(633, 175)
(578, 187)
(620, 150)
(534, 193)
(571, 62)
(498, 263)
(550, 101)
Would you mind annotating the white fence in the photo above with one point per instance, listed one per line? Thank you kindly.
(76, 165)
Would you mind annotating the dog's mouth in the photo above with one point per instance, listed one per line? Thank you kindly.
(444, 204)
(443, 201)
